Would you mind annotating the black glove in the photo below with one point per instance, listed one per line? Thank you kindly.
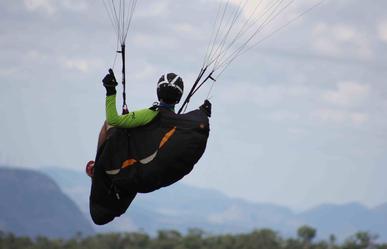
(206, 107)
(110, 83)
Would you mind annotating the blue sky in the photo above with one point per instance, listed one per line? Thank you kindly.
(298, 121)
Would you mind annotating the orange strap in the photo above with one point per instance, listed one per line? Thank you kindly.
(128, 163)
(163, 141)
(166, 137)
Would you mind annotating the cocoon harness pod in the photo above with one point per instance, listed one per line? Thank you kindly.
(144, 159)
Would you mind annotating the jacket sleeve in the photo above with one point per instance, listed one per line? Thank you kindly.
(130, 120)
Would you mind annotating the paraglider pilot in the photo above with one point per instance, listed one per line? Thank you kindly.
(123, 166)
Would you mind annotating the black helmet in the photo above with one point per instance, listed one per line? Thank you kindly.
(170, 88)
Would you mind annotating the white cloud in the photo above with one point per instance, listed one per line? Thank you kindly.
(153, 9)
(149, 41)
(48, 6)
(298, 132)
(82, 65)
(75, 5)
(331, 115)
(185, 28)
(341, 116)
(283, 116)
(382, 30)
(147, 71)
(340, 40)
(263, 96)
(359, 118)
(5, 72)
(36, 55)
(347, 94)
(263, 8)
(344, 103)
(260, 19)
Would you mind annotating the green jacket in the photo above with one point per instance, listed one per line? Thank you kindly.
(130, 120)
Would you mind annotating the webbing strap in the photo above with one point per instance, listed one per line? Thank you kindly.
(124, 105)
(196, 86)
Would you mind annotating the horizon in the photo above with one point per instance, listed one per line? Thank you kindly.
(295, 211)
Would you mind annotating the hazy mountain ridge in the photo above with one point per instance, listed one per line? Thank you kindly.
(347, 218)
(32, 204)
(182, 207)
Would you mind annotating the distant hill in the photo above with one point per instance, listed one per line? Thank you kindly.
(182, 207)
(32, 204)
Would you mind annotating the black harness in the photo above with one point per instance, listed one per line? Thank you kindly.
(144, 159)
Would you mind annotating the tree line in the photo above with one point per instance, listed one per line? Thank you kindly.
(194, 239)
